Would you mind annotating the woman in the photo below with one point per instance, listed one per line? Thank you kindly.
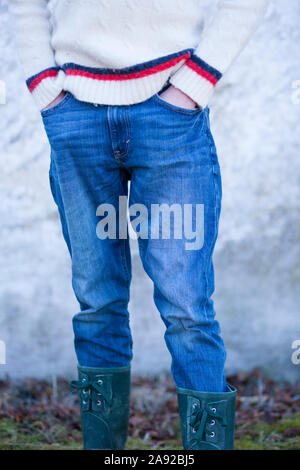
(123, 88)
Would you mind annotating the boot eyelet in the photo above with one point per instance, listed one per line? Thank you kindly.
(100, 382)
(194, 431)
(194, 405)
(99, 402)
(212, 434)
(213, 422)
(214, 410)
(84, 402)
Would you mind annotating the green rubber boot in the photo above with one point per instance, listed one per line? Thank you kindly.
(104, 406)
(207, 419)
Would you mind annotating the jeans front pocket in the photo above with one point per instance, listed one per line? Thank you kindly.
(178, 109)
(57, 106)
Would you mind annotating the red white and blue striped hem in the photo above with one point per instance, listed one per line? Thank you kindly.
(126, 85)
(34, 81)
(128, 73)
(203, 69)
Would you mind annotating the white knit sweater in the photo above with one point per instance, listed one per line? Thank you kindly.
(121, 52)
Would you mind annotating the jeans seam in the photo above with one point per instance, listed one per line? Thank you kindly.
(124, 260)
(215, 210)
(127, 134)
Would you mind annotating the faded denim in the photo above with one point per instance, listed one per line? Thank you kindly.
(168, 154)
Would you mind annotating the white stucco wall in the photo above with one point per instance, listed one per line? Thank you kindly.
(257, 259)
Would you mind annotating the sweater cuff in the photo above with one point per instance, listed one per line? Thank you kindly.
(197, 79)
(46, 86)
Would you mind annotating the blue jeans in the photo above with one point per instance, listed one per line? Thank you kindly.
(168, 155)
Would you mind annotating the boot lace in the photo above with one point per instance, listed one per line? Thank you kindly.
(199, 419)
(87, 386)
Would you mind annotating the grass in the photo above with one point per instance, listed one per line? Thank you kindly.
(43, 415)
(283, 435)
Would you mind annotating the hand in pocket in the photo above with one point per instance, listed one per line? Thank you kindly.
(56, 101)
(176, 97)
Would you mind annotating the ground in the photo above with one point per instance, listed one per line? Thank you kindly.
(40, 415)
